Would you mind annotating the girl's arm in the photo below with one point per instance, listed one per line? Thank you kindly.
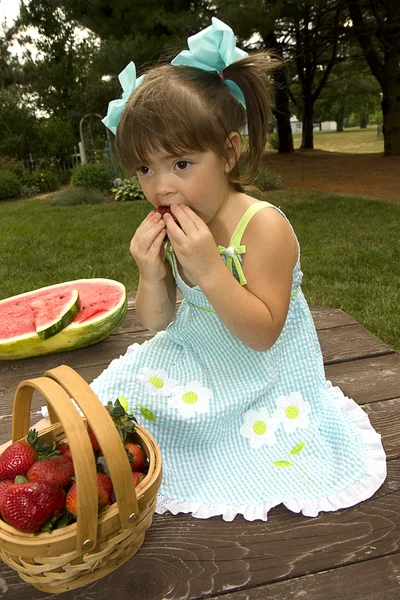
(256, 313)
(156, 301)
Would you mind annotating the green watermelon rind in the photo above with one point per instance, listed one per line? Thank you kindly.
(72, 337)
(54, 327)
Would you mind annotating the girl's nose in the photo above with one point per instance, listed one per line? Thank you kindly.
(164, 185)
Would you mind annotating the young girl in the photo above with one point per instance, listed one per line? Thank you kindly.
(232, 387)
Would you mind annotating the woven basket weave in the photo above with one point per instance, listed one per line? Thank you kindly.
(96, 545)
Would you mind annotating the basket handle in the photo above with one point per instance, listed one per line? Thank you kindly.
(108, 437)
(81, 448)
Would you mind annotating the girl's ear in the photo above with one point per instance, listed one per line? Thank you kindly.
(232, 150)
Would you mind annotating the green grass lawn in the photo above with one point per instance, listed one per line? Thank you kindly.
(353, 140)
(348, 249)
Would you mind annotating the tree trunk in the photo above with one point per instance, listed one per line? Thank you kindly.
(282, 109)
(339, 124)
(391, 105)
(307, 140)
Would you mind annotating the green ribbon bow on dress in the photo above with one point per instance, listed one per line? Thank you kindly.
(231, 253)
(129, 83)
(213, 49)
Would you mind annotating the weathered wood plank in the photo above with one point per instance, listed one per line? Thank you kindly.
(186, 558)
(326, 318)
(348, 343)
(369, 379)
(377, 579)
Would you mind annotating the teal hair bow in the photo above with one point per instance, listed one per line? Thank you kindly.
(129, 83)
(213, 49)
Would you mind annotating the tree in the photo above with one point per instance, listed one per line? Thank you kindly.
(377, 28)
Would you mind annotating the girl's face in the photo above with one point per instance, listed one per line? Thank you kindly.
(197, 179)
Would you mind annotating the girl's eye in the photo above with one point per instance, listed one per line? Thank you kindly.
(182, 165)
(143, 170)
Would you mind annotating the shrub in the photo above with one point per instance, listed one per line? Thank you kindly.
(43, 181)
(273, 140)
(91, 177)
(127, 189)
(12, 164)
(10, 185)
(77, 196)
(267, 180)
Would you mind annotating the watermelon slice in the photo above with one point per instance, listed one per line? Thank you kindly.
(54, 313)
(103, 305)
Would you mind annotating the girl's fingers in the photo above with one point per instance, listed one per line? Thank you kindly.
(175, 233)
(157, 242)
(152, 218)
(184, 217)
(197, 221)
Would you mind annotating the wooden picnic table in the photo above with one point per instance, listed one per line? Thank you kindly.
(353, 554)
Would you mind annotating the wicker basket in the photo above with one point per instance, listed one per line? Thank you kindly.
(78, 554)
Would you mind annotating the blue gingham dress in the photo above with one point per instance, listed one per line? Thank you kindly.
(242, 431)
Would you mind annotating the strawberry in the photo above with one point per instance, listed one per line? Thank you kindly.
(138, 477)
(124, 422)
(18, 458)
(136, 456)
(27, 506)
(93, 440)
(64, 450)
(4, 485)
(107, 483)
(71, 499)
(54, 471)
(166, 210)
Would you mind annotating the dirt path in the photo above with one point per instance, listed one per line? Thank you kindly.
(370, 175)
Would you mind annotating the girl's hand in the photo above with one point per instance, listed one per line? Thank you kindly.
(193, 243)
(147, 247)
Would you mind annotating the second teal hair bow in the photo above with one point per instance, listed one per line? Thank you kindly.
(213, 49)
(129, 83)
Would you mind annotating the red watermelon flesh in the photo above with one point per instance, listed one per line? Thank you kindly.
(20, 315)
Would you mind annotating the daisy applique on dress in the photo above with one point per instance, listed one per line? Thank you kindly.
(190, 399)
(292, 411)
(260, 428)
(156, 381)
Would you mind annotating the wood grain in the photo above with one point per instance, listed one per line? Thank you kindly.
(349, 343)
(377, 579)
(187, 558)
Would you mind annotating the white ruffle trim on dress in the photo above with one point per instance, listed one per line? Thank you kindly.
(361, 490)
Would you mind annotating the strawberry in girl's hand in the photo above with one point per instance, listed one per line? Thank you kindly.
(54, 471)
(27, 506)
(136, 456)
(107, 483)
(138, 477)
(4, 485)
(71, 501)
(166, 210)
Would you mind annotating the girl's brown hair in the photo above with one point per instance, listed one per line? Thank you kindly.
(179, 109)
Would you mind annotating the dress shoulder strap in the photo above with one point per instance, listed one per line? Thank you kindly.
(244, 221)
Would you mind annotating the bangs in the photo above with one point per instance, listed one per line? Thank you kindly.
(164, 116)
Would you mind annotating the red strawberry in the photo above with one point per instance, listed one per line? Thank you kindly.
(71, 499)
(64, 450)
(93, 440)
(4, 485)
(27, 506)
(54, 471)
(166, 210)
(16, 460)
(138, 477)
(107, 483)
(137, 458)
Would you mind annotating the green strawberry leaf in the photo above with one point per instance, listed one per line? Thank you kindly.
(282, 463)
(297, 449)
(129, 426)
(124, 403)
(148, 414)
(20, 479)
